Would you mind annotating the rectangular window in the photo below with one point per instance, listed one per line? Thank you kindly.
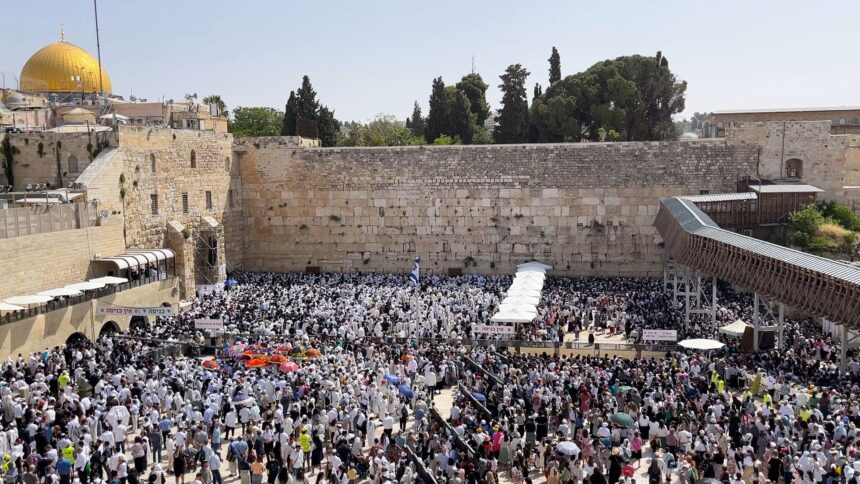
(208, 200)
(185, 202)
(230, 198)
(153, 203)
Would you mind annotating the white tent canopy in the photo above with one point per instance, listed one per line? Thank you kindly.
(512, 317)
(701, 344)
(59, 292)
(86, 286)
(735, 329)
(522, 299)
(10, 307)
(109, 280)
(27, 300)
(534, 264)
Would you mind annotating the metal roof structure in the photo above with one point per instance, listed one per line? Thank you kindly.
(720, 197)
(787, 188)
(820, 286)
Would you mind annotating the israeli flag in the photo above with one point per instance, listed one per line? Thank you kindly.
(415, 275)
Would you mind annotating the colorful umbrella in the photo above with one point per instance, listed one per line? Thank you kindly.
(313, 353)
(288, 366)
(623, 419)
(405, 391)
(296, 351)
(256, 363)
(394, 379)
(278, 359)
(479, 397)
(285, 348)
(231, 282)
(211, 364)
(406, 358)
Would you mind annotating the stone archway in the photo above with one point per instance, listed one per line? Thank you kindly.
(794, 168)
(138, 325)
(75, 338)
(108, 329)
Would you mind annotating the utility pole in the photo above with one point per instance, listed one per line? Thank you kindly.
(98, 46)
(473, 64)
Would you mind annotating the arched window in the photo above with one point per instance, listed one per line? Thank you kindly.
(794, 168)
(152, 162)
(193, 159)
(73, 164)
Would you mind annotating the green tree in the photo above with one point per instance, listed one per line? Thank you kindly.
(475, 89)
(290, 114)
(416, 124)
(384, 130)
(329, 127)
(437, 117)
(256, 121)
(461, 119)
(482, 136)
(447, 140)
(307, 105)
(554, 67)
(218, 102)
(804, 224)
(513, 120)
(635, 96)
(538, 91)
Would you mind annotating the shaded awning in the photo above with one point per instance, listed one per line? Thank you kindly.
(134, 258)
(86, 286)
(60, 292)
(10, 307)
(109, 280)
(27, 300)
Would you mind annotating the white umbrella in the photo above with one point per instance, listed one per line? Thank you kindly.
(86, 286)
(735, 329)
(567, 448)
(10, 307)
(109, 280)
(27, 300)
(701, 344)
(59, 292)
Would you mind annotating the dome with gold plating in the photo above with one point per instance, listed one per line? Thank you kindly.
(63, 67)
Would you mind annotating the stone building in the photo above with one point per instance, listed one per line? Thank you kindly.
(843, 120)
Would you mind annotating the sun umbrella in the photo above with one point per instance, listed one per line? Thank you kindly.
(256, 363)
(567, 448)
(288, 367)
(278, 359)
(242, 400)
(405, 391)
(393, 379)
(406, 358)
(296, 351)
(312, 353)
(231, 282)
(709, 480)
(701, 344)
(285, 348)
(479, 397)
(211, 364)
(623, 419)
(625, 388)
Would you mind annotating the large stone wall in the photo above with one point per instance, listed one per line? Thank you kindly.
(585, 208)
(34, 263)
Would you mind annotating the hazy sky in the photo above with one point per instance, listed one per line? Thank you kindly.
(369, 57)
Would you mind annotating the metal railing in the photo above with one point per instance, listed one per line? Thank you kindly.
(63, 303)
(22, 221)
(550, 345)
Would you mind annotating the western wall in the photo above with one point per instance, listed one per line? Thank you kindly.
(584, 208)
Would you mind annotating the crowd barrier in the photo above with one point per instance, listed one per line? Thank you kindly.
(549, 345)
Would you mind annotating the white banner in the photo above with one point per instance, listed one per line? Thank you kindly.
(486, 328)
(108, 310)
(209, 324)
(659, 335)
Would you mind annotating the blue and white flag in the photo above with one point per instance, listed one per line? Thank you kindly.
(415, 275)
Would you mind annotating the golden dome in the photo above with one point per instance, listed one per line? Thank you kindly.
(63, 67)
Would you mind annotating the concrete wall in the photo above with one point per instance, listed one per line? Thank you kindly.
(32, 165)
(54, 328)
(585, 208)
(34, 263)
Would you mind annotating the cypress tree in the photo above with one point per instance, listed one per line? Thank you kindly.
(437, 118)
(417, 122)
(290, 113)
(513, 120)
(554, 67)
(307, 105)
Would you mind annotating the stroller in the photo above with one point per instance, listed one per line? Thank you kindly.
(192, 460)
(362, 466)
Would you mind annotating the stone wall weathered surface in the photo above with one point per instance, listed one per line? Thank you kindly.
(58, 161)
(585, 208)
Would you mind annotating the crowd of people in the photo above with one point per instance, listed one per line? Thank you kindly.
(346, 392)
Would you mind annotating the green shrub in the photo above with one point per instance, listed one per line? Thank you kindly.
(819, 244)
(840, 214)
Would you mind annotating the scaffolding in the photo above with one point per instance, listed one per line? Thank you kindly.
(690, 290)
(206, 268)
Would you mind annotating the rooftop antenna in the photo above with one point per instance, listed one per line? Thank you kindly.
(98, 46)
